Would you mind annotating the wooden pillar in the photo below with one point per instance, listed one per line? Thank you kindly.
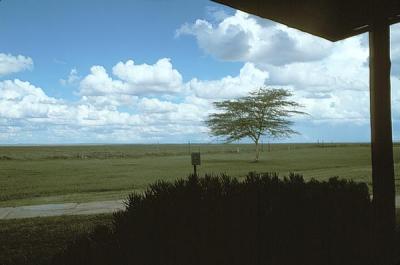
(381, 140)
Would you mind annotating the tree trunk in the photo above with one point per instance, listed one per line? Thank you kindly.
(257, 151)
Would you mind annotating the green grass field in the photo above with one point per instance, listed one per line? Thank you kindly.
(54, 174)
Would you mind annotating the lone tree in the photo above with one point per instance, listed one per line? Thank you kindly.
(263, 112)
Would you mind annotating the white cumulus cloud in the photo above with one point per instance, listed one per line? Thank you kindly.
(20, 100)
(10, 64)
(143, 78)
(129, 82)
(247, 38)
(27, 113)
(330, 79)
(249, 78)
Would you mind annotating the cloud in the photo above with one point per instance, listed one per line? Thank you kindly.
(28, 114)
(154, 105)
(99, 88)
(157, 78)
(216, 14)
(335, 89)
(246, 38)
(162, 80)
(330, 79)
(72, 78)
(131, 81)
(150, 102)
(116, 110)
(10, 64)
(343, 69)
(341, 107)
(25, 102)
(249, 78)
(20, 99)
(395, 49)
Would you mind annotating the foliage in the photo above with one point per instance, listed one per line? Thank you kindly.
(220, 220)
(263, 112)
(37, 240)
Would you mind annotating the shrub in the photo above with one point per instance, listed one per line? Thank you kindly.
(220, 220)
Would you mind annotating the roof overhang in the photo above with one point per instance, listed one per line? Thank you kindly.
(330, 19)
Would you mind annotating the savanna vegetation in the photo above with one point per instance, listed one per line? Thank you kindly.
(265, 112)
(54, 174)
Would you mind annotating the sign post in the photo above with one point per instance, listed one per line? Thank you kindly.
(195, 162)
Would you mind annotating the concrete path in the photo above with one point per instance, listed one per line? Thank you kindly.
(60, 209)
(71, 209)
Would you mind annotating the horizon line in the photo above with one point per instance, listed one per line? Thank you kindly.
(187, 143)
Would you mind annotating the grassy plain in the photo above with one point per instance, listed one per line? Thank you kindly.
(54, 174)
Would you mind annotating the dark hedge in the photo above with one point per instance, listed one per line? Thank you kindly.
(221, 220)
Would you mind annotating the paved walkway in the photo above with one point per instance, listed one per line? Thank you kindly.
(71, 209)
(60, 209)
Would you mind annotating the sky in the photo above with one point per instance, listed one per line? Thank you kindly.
(148, 71)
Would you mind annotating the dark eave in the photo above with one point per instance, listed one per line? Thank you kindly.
(330, 19)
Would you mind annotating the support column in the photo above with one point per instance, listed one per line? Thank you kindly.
(381, 140)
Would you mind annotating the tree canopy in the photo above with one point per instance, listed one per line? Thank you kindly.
(264, 112)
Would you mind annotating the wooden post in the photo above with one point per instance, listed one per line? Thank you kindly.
(381, 141)
(196, 161)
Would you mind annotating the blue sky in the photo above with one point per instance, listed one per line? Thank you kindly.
(60, 35)
(147, 71)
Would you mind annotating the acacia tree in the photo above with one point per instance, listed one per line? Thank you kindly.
(264, 112)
